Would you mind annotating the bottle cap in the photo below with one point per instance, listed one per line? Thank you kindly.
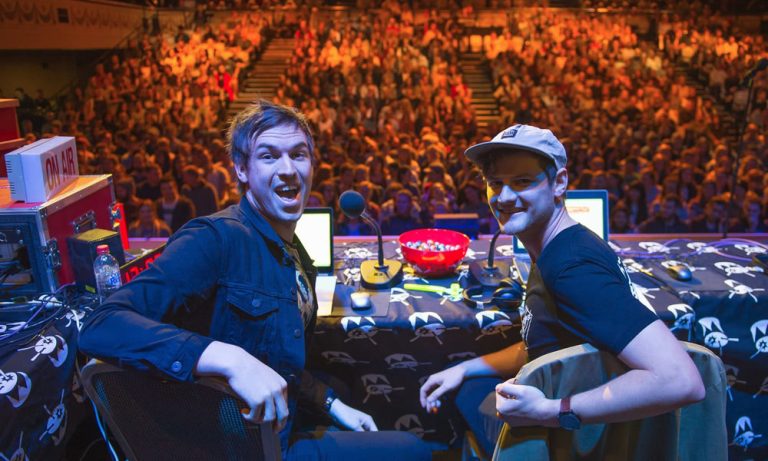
(102, 249)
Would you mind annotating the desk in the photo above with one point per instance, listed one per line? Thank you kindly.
(385, 359)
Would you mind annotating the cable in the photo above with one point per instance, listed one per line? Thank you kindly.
(104, 433)
(45, 303)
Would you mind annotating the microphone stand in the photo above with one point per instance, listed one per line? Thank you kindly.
(739, 153)
(492, 273)
(382, 273)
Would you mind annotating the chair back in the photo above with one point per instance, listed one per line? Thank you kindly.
(695, 432)
(157, 419)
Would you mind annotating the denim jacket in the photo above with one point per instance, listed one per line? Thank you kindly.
(224, 277)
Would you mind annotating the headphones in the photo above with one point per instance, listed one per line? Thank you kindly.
(508, 296)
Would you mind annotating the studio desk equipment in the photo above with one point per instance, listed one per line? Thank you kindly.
(384, 353)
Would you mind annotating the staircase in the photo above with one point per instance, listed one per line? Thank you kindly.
(476, 76)
(264, 76)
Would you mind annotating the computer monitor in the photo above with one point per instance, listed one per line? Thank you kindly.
(315, 230)
(588, 207)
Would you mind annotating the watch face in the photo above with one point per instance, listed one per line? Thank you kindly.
(569, 421)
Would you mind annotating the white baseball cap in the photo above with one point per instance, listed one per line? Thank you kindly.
(525, 137)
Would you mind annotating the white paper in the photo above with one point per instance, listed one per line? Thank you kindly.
(325, 285)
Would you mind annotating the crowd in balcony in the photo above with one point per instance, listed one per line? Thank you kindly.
(386, 98)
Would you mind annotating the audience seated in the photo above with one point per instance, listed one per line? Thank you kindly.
(386, 97)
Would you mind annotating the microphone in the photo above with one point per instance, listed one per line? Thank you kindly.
(761, 65)
(352, 204)
(492, 273)
(375, 275)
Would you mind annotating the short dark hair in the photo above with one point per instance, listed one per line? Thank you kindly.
(168, 179)
(487, 160)
(256, 119)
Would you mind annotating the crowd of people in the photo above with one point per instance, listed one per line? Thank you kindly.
(391, 112)
(150, 116)
(631, 123)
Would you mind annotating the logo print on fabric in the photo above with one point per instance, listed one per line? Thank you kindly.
(351, 275)
(738, 289)
(411, 423)
(54, 347)
(506, 250)
(399, 295)
(56, 426)
(428, 325)
(360, 328)
(403, 362)
(75, 316)
(750, 249)
(714, 335)
(19, 454)
(763, 388)
(732, 268)
(630, 266)
(759, 337)
(684, 317)
(358, 253)
(732, 378)
(340, 358)
(655, 247)
(743, 435)
(701, 247)
(378, 385)
(15, 387)
(492, 323)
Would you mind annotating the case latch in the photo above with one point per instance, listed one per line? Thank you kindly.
(52, 255)
(84, 222)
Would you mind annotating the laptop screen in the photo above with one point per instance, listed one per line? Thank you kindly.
(315, 230)
(588, 207)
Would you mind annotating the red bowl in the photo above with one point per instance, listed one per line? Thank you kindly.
(434, 263)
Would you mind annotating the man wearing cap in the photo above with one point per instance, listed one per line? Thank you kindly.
(577, 292)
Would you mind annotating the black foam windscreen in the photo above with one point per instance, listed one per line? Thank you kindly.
(352, 203)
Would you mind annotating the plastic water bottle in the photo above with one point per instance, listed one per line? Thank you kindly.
(107, 272)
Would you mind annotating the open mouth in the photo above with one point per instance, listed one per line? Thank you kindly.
(288, 193)
(511, 211)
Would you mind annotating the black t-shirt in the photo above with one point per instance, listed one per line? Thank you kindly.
(578, 291)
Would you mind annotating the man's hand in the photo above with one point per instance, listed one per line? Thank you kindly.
(438, 384)
(349, 418)
(265, 391)
(520, 405)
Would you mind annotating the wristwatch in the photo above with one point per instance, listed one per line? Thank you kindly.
(567, 418)
(330, 397)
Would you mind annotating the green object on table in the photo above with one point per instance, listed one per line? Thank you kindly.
(454, 291)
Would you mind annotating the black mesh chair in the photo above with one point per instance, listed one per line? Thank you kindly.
(155, 419)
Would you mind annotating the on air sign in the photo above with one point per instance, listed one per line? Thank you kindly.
(40, 170)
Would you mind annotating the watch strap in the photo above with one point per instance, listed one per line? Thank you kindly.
(330, 397)
(565, 404)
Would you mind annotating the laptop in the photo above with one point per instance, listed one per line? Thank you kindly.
(588, 207)
(315, 230)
